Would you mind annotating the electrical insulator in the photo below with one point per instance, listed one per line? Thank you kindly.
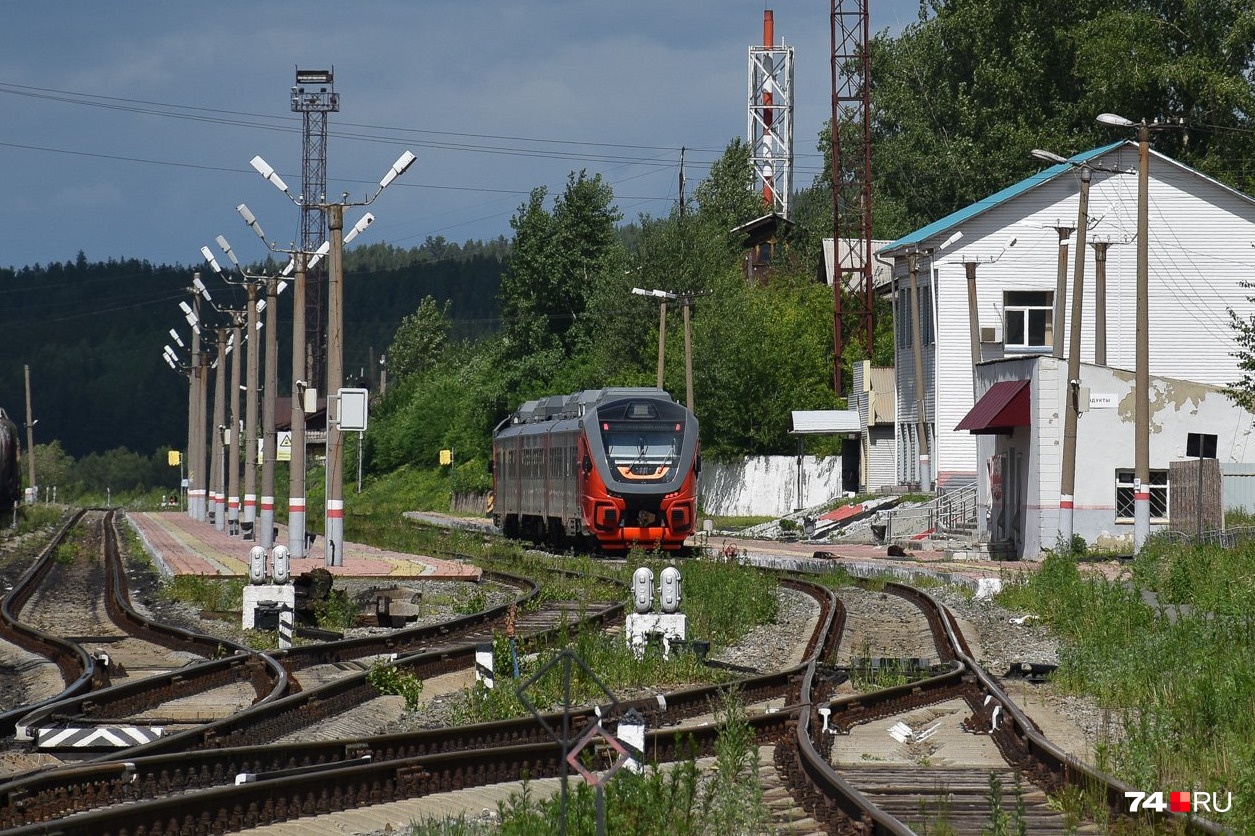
(643, 589)
(670, 590)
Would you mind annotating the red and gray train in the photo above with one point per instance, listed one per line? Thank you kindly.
(10, 476)
(602, 469)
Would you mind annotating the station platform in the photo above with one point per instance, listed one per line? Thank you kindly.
(180, 545)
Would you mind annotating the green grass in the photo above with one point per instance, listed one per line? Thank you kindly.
(1180, 673)
(657, 801)
(207, 593)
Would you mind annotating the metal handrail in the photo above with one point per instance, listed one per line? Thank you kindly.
(948, 511)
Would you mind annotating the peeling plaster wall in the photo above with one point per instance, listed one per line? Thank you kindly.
(768, 485)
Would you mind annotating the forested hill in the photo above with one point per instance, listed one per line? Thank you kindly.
(92, 333)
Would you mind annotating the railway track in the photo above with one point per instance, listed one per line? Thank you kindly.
(187, 783)
(144, 676)
(884, 800)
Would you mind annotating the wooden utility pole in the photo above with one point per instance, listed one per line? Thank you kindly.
(30, 435)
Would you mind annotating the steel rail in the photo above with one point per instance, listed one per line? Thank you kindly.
(78, 669)
(54, 794)
(111, 702)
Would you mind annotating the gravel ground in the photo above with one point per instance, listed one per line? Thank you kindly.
(997, 640)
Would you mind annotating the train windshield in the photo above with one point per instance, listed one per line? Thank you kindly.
(642, 451)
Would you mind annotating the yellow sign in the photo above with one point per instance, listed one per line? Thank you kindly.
(446, 457)
(174, 458)
(283, 450)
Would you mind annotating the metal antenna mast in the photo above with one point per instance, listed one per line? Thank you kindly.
(851, 172)
(314, 96)
(771, 118)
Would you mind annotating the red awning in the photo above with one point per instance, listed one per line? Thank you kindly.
(1000, 410)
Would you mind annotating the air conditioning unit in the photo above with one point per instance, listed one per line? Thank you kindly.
(989, 335)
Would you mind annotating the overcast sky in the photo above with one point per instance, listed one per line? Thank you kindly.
(126, 129)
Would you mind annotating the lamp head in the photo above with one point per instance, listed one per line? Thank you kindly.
(1115, 119)
(1048, 156)
(209, 257)
(398, 168)
(266, 170)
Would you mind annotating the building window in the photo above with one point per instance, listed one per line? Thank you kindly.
(1028, 320)
(1158, 496)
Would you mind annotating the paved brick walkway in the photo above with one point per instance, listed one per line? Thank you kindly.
(183, 546)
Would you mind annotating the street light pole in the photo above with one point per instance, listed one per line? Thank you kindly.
(218, 468)
(250, 418)
(334, 530)
(1141, 372)
(270, 389)
(1141, 414)
(663, 297)
(335, 381)
(296, 466)
(233, 442)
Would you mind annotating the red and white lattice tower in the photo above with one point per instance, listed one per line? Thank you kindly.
(851, 172)
(771, 118)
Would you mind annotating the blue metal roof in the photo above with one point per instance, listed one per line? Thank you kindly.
(997, 198)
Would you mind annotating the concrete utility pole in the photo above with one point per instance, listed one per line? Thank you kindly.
(917, 339)
(1061, 291)
(1141, 373)
(335, 381)
(296, 467)
(1067, 488)
(250, 417)
(1100, 301)
(219, 426)
(270, 389)
(335, 337)
(233, 444)
(194, 476)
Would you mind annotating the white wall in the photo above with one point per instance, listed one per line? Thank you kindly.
(1104, 443)
(1200, 235)
(767, 485)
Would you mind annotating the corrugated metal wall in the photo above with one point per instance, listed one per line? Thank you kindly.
(1237, 487)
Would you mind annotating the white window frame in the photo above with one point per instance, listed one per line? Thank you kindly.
(1045, 310)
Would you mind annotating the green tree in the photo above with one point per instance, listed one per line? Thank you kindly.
(556, 259)
(53, 466)
(420, 338)
(726, 197)
(960, 98)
